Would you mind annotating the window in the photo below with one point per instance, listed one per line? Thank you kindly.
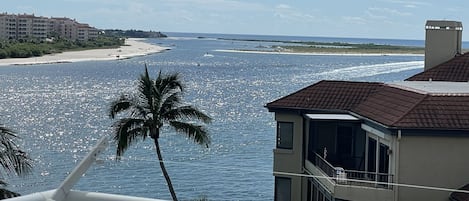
(312, 191)
(320, 196)
(315, 193)
(383, 162)
(282, 189)
(285, 135)
(371, 155)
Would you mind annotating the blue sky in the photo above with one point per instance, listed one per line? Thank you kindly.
(397, 19)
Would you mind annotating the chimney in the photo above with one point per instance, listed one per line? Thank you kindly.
(442, 41)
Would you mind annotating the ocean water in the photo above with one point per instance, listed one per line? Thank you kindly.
(60, 111)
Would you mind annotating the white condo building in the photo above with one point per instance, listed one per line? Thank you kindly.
(23, 26)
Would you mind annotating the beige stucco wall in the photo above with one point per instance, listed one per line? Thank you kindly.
(359, 193)
(442, 44)
(290, 160)
(432, 161)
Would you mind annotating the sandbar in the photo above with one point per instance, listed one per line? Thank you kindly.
(133, 47)
(318, 53)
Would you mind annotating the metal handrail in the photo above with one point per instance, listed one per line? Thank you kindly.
(342, 176)
(324, 165)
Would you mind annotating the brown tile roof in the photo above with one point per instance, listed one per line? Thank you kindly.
(454, 70)
(438, 111)
(400, 108)
(336, 95)
(389, 105)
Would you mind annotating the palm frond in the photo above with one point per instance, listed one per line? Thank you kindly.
(4, 194)
(128, 103)
(119, 105)
(170, 102)
(146, 89)
(126, 132)
(12, 159)
(196, 132)
(186, 112)
(168, 84)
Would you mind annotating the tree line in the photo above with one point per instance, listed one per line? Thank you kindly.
(25, 48)
(133, 33)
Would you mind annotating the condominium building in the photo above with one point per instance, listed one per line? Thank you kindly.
(359, 141)
(8, 26)
(23, 26)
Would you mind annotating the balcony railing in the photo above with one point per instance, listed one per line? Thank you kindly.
(353, 177)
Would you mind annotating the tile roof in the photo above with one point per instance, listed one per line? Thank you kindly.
(336, 95)
(454, 70)
(389, 105)
(438, 112)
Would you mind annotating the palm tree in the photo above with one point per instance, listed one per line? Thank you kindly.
(157, 102)
(13, 160)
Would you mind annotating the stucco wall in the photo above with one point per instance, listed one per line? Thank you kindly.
(432, 161)
(290, 160)
(441, 45)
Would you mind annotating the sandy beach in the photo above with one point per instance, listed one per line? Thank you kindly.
(133, 47)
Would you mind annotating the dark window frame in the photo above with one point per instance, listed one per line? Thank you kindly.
(283, 143)
(277, 181)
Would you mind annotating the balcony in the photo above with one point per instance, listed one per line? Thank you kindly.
(352, 177)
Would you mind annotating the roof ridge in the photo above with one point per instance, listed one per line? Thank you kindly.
(407, 88)
(296, 92)
(318, 83)
(411, 108)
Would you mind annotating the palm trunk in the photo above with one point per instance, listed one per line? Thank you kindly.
(163, 169)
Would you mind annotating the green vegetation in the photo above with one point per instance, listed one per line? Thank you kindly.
(14, 161)
(336, 47)
(308, 47)
(34, 48)
(133, 33)
(157, 102)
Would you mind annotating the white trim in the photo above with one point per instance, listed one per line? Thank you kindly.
(376, 132)
(332, 117)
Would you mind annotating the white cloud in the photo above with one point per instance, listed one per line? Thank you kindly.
(409, 3)
(354, 20)
(221, 5)
(410, 6)
(283, 6)
(389, 11)
(289, 13)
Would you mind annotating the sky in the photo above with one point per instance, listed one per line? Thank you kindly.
(389, 19)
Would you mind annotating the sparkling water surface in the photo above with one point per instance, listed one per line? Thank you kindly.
(60, 111)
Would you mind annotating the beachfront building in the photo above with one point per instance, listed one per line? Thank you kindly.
(357, 141)
(86, 32)
(24, 26)
(8, 26)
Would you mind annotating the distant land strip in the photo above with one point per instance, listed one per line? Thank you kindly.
(331, 47)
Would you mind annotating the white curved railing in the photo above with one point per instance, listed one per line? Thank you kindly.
(341, 176)
(65, 193)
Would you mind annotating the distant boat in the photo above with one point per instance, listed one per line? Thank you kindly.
(208, 55)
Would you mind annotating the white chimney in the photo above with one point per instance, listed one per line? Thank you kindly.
(442, 41)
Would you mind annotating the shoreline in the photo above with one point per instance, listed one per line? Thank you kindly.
(133, 47)
(318, 53)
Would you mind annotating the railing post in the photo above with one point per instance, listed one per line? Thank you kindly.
(64, 188)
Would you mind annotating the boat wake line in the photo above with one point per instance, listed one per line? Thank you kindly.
(370, 70)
